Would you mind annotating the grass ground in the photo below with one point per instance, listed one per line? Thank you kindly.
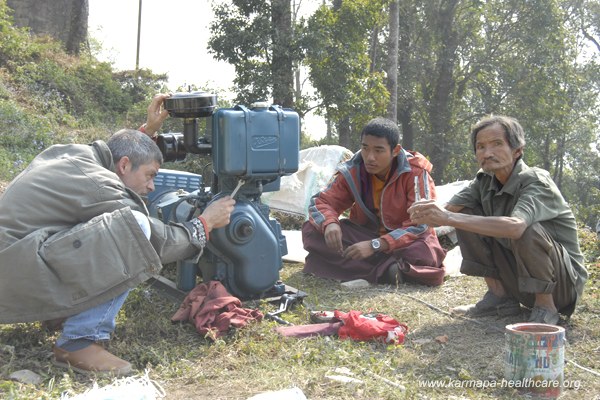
(439, 348)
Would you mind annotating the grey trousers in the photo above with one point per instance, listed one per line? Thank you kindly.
(535, 263)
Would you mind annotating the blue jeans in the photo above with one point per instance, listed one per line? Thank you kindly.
(94, 324)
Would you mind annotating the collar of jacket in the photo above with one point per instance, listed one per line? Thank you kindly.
(511, 185)
(104, 155)
(403, 166)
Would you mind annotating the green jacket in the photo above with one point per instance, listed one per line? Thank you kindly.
(531, 195)
(68, 238)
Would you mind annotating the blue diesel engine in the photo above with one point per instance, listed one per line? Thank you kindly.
(251, 149)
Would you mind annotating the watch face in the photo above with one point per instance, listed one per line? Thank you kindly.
(375, 243)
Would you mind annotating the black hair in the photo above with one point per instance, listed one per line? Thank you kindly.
(384, 128)
(513, 131)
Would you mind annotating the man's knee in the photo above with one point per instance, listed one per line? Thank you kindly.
(311, 237)
(534, 235)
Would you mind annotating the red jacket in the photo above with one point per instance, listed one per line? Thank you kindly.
(350, 189)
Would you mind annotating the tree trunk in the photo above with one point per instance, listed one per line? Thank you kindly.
(344, 133)
(406, 125)
(559, 160)
(405, 93)
(373, 49)
(392, 67)
(282, 66)
(297, 82)
(64, 20)
(440, 109)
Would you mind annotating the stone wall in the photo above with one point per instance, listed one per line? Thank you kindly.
(65, 20)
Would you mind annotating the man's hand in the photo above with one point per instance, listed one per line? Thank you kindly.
(156, 114)
(333, 237)
(218, 212)
(428, 212)
(359, 251)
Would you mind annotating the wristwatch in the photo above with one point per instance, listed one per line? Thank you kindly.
(376, 244)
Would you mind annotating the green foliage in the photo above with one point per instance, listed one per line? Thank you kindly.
(85, 89)
(336, 43)
(48, 96)
(554, 96)
(15, 44)
(458, 61)
(462, 60)
(22, 137)
(242, 34)
(589, 241)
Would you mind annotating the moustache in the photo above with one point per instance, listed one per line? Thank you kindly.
(490, 159)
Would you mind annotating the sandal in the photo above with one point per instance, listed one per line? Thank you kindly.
(544, 316)
(489, 305)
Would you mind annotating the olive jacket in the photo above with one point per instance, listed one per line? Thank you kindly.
(68, 238)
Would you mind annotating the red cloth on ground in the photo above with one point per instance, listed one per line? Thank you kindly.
(352, 325)
(380, 327)
(211, 308)
(302, 331)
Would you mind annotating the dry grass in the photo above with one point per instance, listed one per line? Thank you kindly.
(256, 359)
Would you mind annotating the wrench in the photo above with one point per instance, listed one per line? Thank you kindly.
(239, 185)
(285, 303)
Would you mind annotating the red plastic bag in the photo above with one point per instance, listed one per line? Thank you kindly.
(364, 327)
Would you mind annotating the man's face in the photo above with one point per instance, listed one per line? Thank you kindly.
(494, 154)
(377, 155)
(140, 180)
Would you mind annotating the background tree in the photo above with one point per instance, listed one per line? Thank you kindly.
(256, 38)
(283, 61)
(407, 70)
(337, 48)
(445, 22)
(392, 67)
(457, 60)
(540, 80)
(588, 14)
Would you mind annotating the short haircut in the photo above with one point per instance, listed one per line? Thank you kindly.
(384, 128)
(513, 131)
(137, 146)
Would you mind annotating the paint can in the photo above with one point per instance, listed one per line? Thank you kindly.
(534, 359)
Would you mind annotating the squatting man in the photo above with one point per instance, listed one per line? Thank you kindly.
(514, 229)
(75, 237)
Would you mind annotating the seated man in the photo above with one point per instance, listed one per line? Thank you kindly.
(378, 242)
(514, 229)
(75, 237)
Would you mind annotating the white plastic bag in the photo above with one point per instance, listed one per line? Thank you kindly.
(316, 167)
